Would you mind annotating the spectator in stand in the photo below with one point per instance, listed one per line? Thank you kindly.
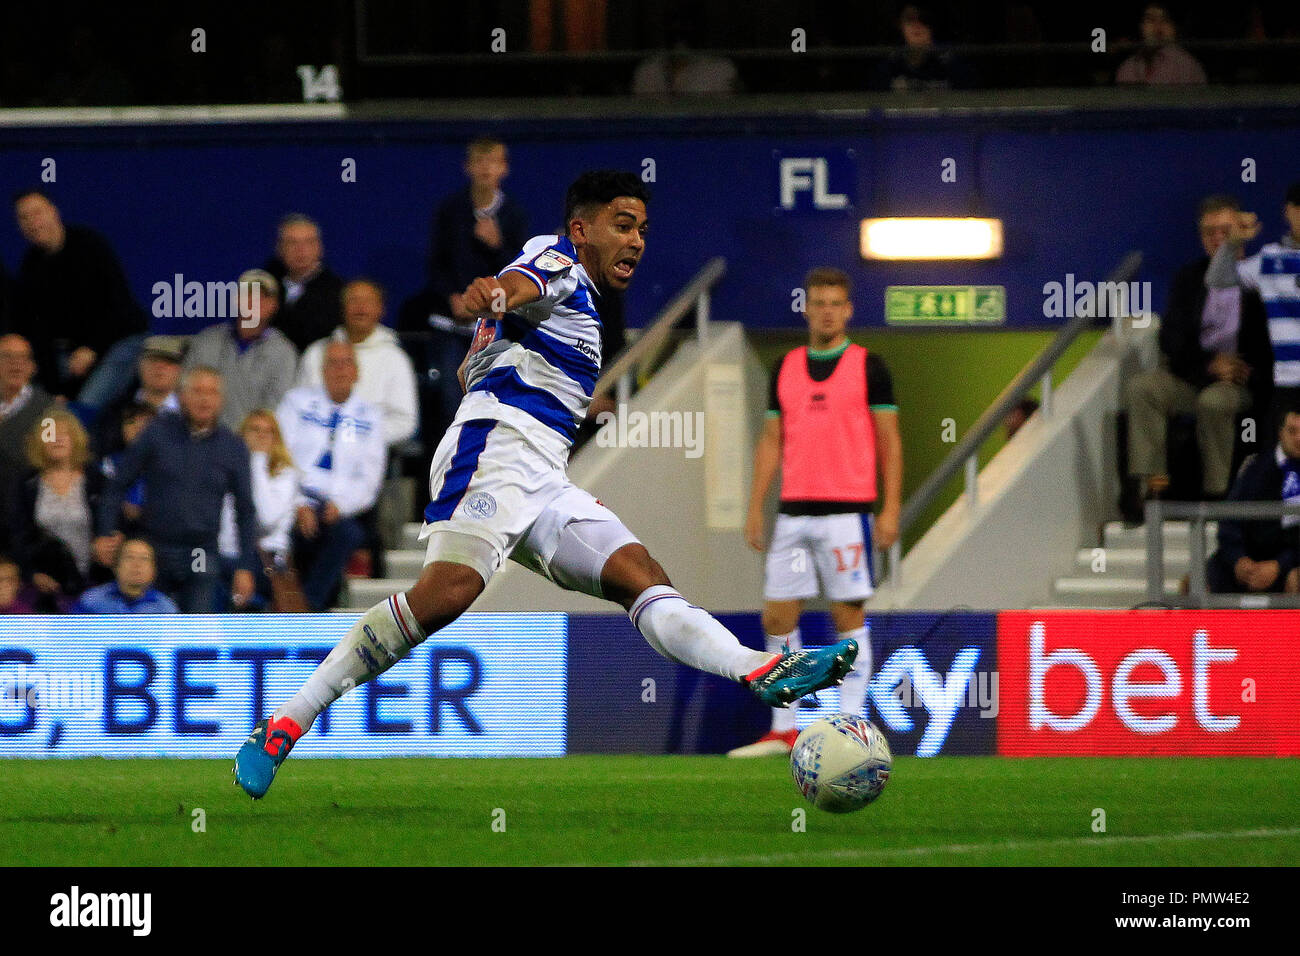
(189, 462)
(684, 71)
(158, 377)
(336, 437)
(21, 403)
(12, 600)
(1160, 61)
(477, 231)
(132, 591)
(1262, 556)
(249, 351)
(51, 513)
(73, 304)
(387, 381)
(919, 66)
(275, 498)
(1273, 272)
(134, 418)
(309, 304)
(1216, 363)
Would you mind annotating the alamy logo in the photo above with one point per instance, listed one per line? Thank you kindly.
(629, 429)
(1103, 300)
(73, 909)
(206, 300)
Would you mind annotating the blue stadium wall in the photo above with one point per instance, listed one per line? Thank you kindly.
(1075, 188)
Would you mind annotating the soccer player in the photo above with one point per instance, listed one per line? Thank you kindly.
(500, 490)
(831, 423)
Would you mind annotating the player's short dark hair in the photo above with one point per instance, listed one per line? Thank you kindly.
(824, 276)
(1213, 204)
(600, 186)
(32, 191)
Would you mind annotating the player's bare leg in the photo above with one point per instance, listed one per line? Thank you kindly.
(688, 634)
(379, 639)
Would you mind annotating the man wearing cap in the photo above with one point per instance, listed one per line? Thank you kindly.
(158, 376)
(257, 360)
(1273, 272)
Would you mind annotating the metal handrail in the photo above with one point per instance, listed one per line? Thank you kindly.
(694, 295)
(964, 454)
(1157, 512)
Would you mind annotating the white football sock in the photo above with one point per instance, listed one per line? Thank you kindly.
(682, 632)
(378, 640)
(853, 692)
(783, 718)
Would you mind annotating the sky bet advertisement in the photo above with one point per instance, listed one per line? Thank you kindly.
(1023, 683)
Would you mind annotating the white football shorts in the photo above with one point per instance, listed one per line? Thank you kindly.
(832, 549)
(504, 483)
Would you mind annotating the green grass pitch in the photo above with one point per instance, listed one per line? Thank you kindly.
(649, 810)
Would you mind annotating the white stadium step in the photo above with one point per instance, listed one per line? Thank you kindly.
(1129, 562)
(405, 564)
(1103, 591)
(362, 593)
(1176, 535)
(411, 536)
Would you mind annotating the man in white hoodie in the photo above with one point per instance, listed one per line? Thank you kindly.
(387, 379)
(335, 437)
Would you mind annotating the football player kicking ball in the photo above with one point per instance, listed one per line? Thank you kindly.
(831, 424)
(500, 490)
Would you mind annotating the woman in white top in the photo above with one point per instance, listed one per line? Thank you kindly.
(275, 489)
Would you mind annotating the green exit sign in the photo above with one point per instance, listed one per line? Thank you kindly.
(945, 304)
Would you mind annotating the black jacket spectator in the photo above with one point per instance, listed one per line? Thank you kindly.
(1180, 334)
(458, 257)
(1260, 479)
(76, 296)
(315, 313)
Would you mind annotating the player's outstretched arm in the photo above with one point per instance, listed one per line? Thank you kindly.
(492, 297)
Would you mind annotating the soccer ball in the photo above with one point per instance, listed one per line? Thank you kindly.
(841, 763)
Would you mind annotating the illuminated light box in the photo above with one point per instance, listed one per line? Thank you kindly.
(931, 238)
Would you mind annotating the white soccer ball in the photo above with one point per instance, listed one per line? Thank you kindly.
(841, 763)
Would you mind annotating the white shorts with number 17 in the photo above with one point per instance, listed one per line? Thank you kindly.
(834, 550)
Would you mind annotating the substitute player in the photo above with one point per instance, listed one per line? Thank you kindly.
(831, 424)
(500, 490)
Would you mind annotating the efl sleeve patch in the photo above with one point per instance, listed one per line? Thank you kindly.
(552, 262)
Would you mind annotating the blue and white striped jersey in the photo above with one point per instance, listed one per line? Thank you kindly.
(1275, 272)
(544, 357)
